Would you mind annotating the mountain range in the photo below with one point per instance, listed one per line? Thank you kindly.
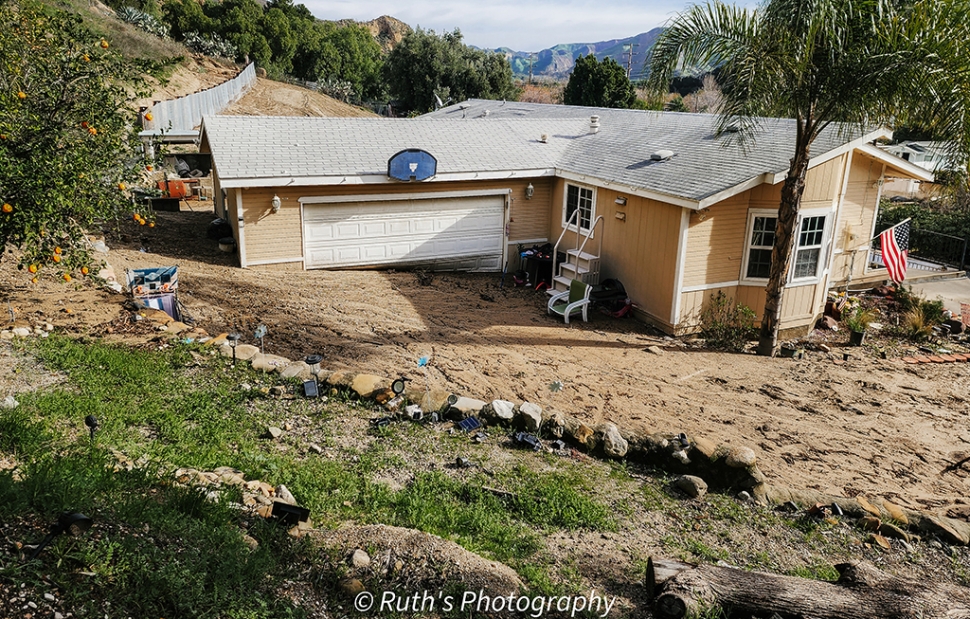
(557, 62)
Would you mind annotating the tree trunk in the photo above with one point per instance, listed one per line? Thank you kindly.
(785, 234)
(861, 592)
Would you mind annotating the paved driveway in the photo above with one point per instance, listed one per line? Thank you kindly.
(952, 291)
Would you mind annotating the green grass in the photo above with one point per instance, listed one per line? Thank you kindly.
(164, 550)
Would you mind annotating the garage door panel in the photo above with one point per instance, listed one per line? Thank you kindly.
(460, 233)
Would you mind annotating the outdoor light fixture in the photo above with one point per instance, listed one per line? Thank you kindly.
(621, 200)
(277, 203)
(310, 388)
(529, 191)
(92, 423)
(72, 524)
(314, 362)
(233, 339)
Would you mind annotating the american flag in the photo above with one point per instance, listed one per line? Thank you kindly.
(895, 247)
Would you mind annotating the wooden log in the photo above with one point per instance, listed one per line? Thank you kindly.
(861, 592)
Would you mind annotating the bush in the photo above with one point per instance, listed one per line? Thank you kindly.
(914, 325)
(210, 45)
(143, 20)
(726, 325)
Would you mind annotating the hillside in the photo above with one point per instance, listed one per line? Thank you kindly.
(558, 61)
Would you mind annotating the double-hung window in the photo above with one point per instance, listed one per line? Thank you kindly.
(809, 245)
(580, 199)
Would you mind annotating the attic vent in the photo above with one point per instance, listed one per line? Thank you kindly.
(594, 124)
(463, 106)
(732, 128)
(662, 155)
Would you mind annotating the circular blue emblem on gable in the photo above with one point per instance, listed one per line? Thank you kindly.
(412, 164)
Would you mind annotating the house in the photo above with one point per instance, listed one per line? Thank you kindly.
(932, 156)
(653, 199)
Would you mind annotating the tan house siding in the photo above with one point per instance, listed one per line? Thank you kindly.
(639, 250)
(856, 219)
(278, 237)
(715, 243)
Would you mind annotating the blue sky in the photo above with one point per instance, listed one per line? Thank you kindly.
(523, 25)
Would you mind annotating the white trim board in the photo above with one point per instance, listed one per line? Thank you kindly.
(679, 267)
(386, 197)
(380, 179)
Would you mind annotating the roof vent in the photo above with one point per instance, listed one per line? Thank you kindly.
(594, 124)
(662, 155)
(544, 138)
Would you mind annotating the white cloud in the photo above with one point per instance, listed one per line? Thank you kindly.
(523, 25)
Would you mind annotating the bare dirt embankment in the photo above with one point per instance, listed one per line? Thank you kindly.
(872, 426)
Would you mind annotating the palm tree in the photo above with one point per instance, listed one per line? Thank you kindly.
(858, 63)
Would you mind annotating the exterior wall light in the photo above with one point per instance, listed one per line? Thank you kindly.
(529, 191)
(276, 204)
(621, 200)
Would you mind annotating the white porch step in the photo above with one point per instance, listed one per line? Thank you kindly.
(569, 266)
(582, 255)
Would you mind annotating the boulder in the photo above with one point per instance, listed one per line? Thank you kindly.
(499, 411)
(610, 441)
(368, 385)
(553, 424)
(895, 512)
(468, 406)
(297, 369)
(269, 363)
(691, 485)
(703, 447)
(244, 352)
(341, 378)
(740, 457)
(21, 332)
(175, 327)
(577, 431)
(529, 417)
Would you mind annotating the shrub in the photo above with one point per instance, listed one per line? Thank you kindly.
(210, 45)
(859, 318)
(726, 325)
(147, 22)
(914, 324)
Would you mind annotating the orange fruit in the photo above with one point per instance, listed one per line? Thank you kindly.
(149, 168)
(57, 250)
(149, 117)
(32, 268)
(92, 131)
(142, 222)
(84, 271)
(136, 216)
(86, 58)
(21, 95)
(84, 124)
(7, 207)
(67, 277)
(33, 280)
(151, 224)
(122, 186)
(56, 257)
(104, 44)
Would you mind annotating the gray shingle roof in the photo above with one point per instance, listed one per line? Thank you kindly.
(466, 140)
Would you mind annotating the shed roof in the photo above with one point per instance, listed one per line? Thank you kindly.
(504, 142)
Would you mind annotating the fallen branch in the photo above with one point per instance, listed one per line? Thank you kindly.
(861, 592)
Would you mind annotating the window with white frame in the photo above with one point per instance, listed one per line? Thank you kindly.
(581, 199)
(809, 243)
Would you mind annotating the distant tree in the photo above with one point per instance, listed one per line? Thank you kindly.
(676, 104)
(185, 16)
(69, 148)
(425, 64)
(599, 84)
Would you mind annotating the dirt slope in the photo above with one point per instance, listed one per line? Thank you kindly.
(269, 98)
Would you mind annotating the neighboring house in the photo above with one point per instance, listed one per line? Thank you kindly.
(931, 156)
(670, 210)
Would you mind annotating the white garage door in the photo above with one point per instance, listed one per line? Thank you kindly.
(465, 233)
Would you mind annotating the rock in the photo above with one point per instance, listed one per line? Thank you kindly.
(891, 530)
(268, 363)
(175, 327)
(878, 540)
(283, 494)
(157, 315)
(277, 390)
(693, 486)
(959, 511)
(680, 456)
(869, 523)
(6, 335)
(273, 432)
(745, 497)
(704, 447)
(316, 448)
(501, 411)
(9, 403)
(360, 559)
(244, 352)
(251, 541)
(217, 341)
(950, 531)
(368, 385)
(828, 323)
(50, 597)
(341, 378)
(895, 512)
(351, 587)
(297, 369)
(866, 505)
(577, 431)
(21, 332)
(245, 386)
(824, 348)
(610, 441)
(529, 416)
(58, 615)
(655, 350)
(300, 530)
(740, 457)
(468, 406)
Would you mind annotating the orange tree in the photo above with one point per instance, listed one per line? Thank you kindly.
(69, 147)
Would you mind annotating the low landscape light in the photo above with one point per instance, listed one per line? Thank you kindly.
(314, 362)
(73, 524)
(233, 339)
(92, 423)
